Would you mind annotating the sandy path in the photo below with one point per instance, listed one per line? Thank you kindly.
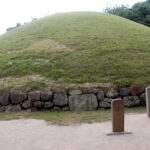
(37, 135)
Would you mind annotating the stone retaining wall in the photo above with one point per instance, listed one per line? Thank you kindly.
(74, 100)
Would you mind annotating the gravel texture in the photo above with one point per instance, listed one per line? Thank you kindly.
(33, 134)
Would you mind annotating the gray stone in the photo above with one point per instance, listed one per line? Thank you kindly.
(26, 104)
(83, 102)
(4, 99)
(56, 108)
(90, 91)
(112, 93)
(66, 108)
(48, 105)
(75, 92)
(124, 92)
(3, 108)
(103, 104)
(143, 99)
(46, 95)
(131, 101)
(13, 108)
(34, 96)
(136, 90)
(38, 104)
(108, 100)
(17, 98)
(100, 95)
(60, 98)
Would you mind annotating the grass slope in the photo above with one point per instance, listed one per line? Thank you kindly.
(75, 47)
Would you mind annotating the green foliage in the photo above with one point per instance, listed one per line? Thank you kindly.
(139, 12)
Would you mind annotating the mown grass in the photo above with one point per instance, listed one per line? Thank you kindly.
(77, 48)
(68, 117)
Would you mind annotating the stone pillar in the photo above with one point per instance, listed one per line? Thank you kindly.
(117, 115)
(148, 100)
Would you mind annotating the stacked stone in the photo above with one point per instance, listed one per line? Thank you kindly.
(74, 100)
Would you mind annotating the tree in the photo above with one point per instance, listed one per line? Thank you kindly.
(139, 12)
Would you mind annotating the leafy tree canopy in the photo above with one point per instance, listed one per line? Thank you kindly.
(139, 12)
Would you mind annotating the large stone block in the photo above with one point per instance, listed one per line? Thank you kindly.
(124, 92)
(3, 108)
(4, 99)
(26, 104)
(60, 98)
(143, 99)
(48, 105)
(38, 104)
(17, 98)
(112, 93)
(136, 90)
(83, 102)
(46, 95)
(100, 95)
(103, 104)
(131, 101)
(106, 103)
(34, 96)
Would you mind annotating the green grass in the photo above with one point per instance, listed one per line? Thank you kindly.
(67, 118)
(70, 49)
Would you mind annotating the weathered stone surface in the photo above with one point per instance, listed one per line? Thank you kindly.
(143, 99)
(100, 95)
(17, 98)
(13, 108)
(56, 108)
(48, 105)
(75, 92)
(136, 90)
(34, 96)
(103, 104)
(131, 101)
(108, 100)
(26, 104)
(117, 115)
(46, 95)
(60, 98)
(66, 108)
(83, 102)
(112, 93)
(38, 104)
(90, 91)
(4, 99)
(3, 108)
(124, 92)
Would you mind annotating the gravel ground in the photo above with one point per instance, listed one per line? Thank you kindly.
(33, 134)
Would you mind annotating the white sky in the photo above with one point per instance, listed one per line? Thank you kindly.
(13, 11)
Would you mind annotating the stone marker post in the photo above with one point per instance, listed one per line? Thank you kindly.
(117, 115)
(148, 100)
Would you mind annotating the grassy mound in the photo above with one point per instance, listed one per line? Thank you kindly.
(71, 49)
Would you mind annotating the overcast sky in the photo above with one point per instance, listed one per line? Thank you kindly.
(13, 11)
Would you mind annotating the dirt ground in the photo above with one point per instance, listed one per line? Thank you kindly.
(33, 134)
